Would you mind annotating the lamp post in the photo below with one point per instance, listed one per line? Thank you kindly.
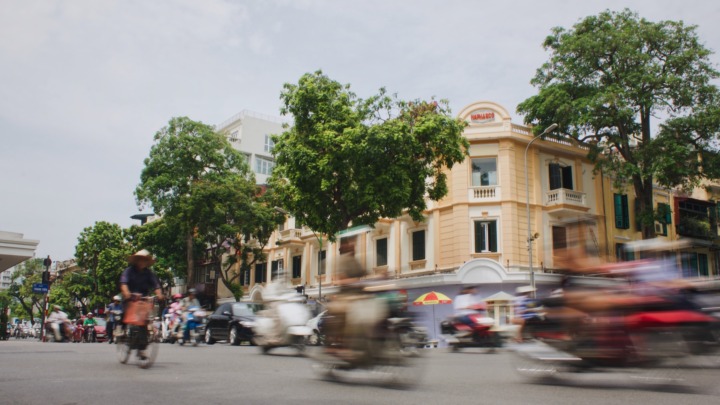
(530, 237)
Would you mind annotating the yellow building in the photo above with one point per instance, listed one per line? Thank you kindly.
(480, 232)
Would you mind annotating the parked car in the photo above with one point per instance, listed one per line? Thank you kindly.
(232, 321)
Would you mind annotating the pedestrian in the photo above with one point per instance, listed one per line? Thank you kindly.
(114, 319)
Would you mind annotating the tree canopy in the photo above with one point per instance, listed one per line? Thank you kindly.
(350, 160)
(186, 153)
(608, 77)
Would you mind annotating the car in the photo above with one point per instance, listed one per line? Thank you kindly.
(233, 322)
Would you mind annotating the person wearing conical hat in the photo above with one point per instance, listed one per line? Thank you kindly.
(138, 278)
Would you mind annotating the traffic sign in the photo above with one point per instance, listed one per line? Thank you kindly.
(40, 288)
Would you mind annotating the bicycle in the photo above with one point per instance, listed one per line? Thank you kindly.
(139, 333)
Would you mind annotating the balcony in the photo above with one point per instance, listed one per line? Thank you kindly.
(693, 227)
(290, 236)
(484, 194)
(565, 200)
(696, 218)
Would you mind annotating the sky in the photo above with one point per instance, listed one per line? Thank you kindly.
(85, 84)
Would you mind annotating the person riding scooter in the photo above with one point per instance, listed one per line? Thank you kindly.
(89, 326)
(58, 323)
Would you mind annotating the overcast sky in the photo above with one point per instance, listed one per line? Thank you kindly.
(85, 84)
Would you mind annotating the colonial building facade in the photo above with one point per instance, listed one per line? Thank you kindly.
(480, 232)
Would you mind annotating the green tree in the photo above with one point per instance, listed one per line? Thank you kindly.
(235, 223)
(163, 239)
(605, 81)
(26, 274)
(185, 152)
(348, 160)
(102, 252)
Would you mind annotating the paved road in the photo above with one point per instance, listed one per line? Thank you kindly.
(67, 373)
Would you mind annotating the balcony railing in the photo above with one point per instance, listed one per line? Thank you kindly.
(484, 193)
(563, 196)
(290, 234)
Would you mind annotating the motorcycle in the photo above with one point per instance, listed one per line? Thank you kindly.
(58, 331)
(658, 334)
(371, 348)
(78, 333)
(283, 324)
(315, 324)
(191, 331)
(117, 325)
(90, 335)
(481, 331)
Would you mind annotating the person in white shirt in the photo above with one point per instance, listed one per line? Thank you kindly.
(57, 320)
(464, 304)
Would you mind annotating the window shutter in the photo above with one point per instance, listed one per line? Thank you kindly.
(555, 176)
(418, 247)
(479, 237)
(622, 220)
(567, 180)
(492, 235)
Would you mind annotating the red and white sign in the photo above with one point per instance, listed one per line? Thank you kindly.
(482, 116)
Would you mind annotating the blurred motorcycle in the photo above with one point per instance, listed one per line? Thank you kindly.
(370, 348)
(480, 332)
(284, 323)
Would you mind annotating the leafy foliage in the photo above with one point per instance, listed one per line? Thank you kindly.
(186, 154)
(27, 303)
(348, 160)
(605, 81)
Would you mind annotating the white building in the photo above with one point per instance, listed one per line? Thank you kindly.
(249, 132)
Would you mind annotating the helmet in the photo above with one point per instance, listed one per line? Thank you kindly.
(192, 291)
(90, 315)
(177, 296)
(117, 298)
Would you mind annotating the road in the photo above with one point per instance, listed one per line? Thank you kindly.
(65, 373)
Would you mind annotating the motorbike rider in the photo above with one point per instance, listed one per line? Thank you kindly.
(89, 323)
(465, 304)
(139, 280)
(522, 310)
(346, 334)
(190, 301)
(58, 320)
(113, 319)
(186, 304)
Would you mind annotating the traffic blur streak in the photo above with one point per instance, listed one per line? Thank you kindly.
(371, 339)
(638, 315)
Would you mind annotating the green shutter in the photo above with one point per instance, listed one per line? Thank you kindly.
(479, 237)
(622, 217)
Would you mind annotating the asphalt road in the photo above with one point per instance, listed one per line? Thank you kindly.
(65, 373)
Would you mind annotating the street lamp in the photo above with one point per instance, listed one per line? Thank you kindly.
(530, 236)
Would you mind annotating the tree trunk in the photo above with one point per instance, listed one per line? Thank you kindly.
(190, 262)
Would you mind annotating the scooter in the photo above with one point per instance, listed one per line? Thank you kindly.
(283, 324)
(192, 328)
(656, 335)
(481, 331)
(372, 352)
(58, 332)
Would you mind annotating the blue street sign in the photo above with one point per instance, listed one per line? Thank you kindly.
(40, 288)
